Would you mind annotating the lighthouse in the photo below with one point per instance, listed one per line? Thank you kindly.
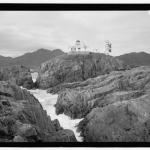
(78, 47)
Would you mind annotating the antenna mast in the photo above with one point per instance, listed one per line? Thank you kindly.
(108, 47)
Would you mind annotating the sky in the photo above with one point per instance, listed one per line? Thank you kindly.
(27, 31)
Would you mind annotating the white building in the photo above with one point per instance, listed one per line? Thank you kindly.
(78, 47)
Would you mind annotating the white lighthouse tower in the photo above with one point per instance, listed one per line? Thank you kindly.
(78, 45)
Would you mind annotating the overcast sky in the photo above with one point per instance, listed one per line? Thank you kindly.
(26, 31)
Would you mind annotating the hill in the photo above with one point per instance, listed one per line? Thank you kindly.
(34, 59)
(136, 59)
(4, 60)
(31, 60)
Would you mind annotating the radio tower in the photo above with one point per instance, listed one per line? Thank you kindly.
(108, 47)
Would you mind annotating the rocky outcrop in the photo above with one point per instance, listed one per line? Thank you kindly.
(115, 106)
(123, 121)
(73, 68)
(22, 118)
(17, 74)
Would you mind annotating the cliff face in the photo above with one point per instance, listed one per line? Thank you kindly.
(72, 68)
(17, 74)
(22, 118)
(115, 106)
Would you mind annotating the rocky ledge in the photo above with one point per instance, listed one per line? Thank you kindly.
(22, 118)
(115, 106)
(73, 68)
(17, 74)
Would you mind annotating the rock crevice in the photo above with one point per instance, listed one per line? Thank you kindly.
(22, 118)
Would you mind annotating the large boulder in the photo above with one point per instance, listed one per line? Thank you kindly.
(17, 74)
(22, 118)
(123, 121)
(115, 106)
(73, 68)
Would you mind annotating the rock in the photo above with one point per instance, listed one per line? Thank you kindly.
(63, 136)
(30, 132)
(115, 106)
(57, 125)
(18, 138)
(77, 101)
(22, 118)
(126, 121)
(17, 74)
(73, 68)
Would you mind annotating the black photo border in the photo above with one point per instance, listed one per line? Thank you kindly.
(74, 7)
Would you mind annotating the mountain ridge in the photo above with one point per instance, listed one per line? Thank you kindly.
(31, 59)
(34, 59)
(135, 58)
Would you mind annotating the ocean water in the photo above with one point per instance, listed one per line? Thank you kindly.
(48, 101)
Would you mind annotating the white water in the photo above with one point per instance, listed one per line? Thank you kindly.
(48, 101)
